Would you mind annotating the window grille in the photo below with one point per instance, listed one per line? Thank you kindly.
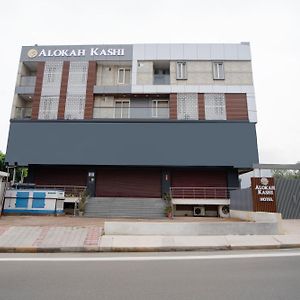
(215, 108)
(187, 106)
(76, 91)
(77, 77)
(52, 78)
(48, 107)
(74, 108)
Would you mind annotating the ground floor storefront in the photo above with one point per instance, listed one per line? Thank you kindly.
(147, 182)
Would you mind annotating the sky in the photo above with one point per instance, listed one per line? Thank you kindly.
(271, 26)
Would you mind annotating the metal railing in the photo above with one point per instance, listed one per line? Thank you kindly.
(201, 192)
(131, 112)
(22, 113)
(70, 190)
(27, 80)
(3, 187)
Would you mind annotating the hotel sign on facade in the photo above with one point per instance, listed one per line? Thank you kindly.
(263, 194)
(94, 52)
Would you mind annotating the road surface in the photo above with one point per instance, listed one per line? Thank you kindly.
(187, 275)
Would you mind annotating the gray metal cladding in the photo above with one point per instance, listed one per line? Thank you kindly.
(288, 197)
(122, 143)
(241, 199)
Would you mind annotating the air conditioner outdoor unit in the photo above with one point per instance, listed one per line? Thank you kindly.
(199, 211)
(224, 211)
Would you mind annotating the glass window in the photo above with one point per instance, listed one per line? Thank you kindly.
(218, 70)
(160, 109)
(215, 108)
(127, 76)
(122, 109)
(181, 70)
(123, 76)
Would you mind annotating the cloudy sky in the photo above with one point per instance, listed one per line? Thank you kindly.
(271, 27)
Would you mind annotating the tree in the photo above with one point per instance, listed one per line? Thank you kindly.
(286, 174)
(2, 162)
(21, 172)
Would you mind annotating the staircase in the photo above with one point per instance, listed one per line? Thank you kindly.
(144, 208)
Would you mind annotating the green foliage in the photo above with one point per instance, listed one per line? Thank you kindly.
(168, 207)
(2, 162)
(289, 174)
(20, 172)
(83, 201)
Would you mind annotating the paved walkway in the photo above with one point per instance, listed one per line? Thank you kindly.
(73, 234)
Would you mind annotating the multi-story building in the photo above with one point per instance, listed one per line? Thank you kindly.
(135, 120)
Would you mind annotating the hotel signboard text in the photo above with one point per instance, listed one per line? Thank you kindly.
(263, 194)
(85, 52)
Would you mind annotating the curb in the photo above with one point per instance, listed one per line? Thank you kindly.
(48, 249)
(141, 249)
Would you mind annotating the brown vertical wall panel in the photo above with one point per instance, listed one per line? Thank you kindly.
(128, 182)
(91, 81)
(38, 90)
(236, 107)
(201, 107)
(173, 106)
(63, 90)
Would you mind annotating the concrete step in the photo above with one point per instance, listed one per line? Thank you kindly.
(125, 207)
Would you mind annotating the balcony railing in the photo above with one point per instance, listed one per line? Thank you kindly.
(131, 113)
(28, 80)
(22, 113)
(201, 192)
(70, 190)
(161, 79)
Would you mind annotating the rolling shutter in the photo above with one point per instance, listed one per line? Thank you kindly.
(128, 182)
(198, 178)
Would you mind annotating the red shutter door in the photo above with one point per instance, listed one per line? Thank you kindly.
(60, 176)
(129, 182)
(198, 178)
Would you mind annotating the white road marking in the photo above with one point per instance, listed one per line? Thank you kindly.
(147, 258)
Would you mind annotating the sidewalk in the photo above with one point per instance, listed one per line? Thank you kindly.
(69, 234)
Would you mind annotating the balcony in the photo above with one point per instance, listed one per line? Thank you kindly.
(27, 80)
(201, 192)
(131, 112)
(23, 113)
(161, 79)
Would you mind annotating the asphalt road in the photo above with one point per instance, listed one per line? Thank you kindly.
(189, 275)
